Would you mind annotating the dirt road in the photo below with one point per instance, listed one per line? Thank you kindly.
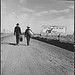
(37, 59)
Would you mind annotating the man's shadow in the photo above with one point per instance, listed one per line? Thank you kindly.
(13, 44)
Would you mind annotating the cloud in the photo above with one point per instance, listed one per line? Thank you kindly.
(53, 11)
(65, 10)
(21, 1)
(27, 10)
(10, 21)
(41, 13)
(22, 18)
(72, 6)
(60, 18)
(59, 11)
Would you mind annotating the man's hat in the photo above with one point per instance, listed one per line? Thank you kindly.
(17, 24)
(28, 27)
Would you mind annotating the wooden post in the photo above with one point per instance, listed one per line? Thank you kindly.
(59, 37)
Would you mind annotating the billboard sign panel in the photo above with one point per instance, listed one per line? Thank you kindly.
(58, 29)
(54, 29)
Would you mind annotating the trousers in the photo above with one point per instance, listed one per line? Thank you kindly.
(28, 40)
(17, 39)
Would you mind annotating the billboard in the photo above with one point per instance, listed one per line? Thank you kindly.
(53, 29)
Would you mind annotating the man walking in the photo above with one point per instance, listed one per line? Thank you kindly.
(28, 34)
(17, 32)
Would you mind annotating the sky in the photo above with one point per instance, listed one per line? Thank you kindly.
(36, 13)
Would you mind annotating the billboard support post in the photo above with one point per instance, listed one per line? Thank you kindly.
(59, 37)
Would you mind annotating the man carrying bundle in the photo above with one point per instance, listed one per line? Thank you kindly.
(28, 34)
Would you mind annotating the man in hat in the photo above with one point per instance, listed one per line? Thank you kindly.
(17, 32)
(28, 35)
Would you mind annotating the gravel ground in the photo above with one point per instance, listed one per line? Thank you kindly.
(37, 59)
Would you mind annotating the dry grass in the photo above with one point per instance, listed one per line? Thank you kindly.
(66, 39)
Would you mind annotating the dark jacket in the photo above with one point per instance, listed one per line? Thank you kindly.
(17, 30)
(27, 32)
